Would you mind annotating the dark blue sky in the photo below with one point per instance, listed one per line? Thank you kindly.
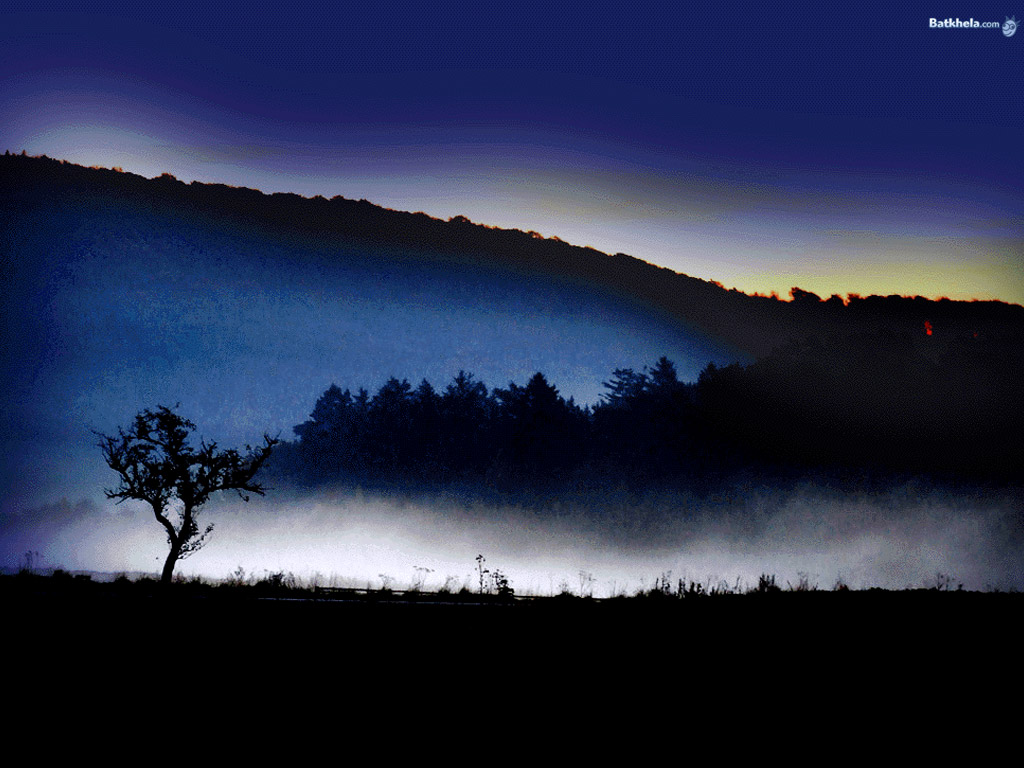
(848, 149)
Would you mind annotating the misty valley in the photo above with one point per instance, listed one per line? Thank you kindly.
(440, 399)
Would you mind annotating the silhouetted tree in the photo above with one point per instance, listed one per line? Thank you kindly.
(543, 434)
(663, 377)
(643, 425)
(466, 413)
(624, 388)
(801, 296)
(334, 438)
(426, 438)
(326, 433)
(157, 465)
(391, 425)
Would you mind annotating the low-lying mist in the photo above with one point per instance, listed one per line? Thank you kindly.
(908, 536)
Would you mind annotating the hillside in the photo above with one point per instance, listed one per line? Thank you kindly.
(754, 325)
(125, 292)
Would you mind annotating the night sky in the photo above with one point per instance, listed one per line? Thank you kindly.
(841, 150)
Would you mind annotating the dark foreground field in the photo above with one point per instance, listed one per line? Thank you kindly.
(246, 667)
(929, 632)
(238, 662)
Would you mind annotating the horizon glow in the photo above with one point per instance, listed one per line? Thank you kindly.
(810, 170)
(753, 252)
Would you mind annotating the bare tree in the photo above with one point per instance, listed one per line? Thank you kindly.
(157, 465)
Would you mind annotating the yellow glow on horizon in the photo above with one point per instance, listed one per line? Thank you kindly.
(823, 262)
(956, 270)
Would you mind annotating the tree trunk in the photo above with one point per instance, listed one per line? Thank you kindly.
(170, 562)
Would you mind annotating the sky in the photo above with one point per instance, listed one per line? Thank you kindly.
(844, 150)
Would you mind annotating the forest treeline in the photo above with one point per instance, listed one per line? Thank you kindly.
(882, 405)
(885, 383)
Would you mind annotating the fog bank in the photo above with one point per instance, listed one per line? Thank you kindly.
(904, 537)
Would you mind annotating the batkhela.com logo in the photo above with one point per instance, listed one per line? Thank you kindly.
(1009, 26)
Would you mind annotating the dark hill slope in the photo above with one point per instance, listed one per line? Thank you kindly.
(751, 324)
(121, 293)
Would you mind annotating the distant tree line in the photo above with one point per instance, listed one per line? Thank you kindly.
(885, 383)
(884, 404)
(889, 402)
(404, 435)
